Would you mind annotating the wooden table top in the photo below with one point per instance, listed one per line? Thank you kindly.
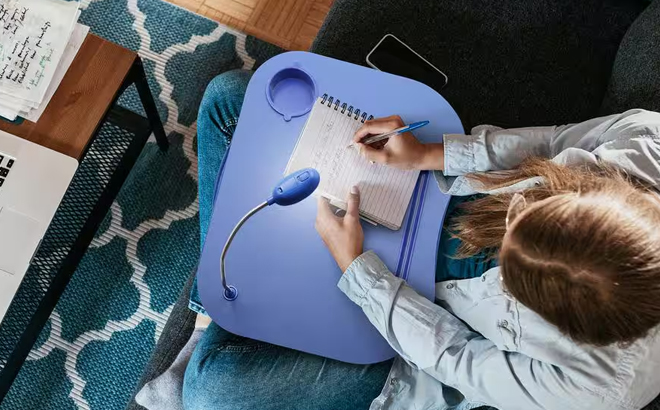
(82, 99)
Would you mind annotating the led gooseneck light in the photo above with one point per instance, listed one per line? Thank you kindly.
(292, 189)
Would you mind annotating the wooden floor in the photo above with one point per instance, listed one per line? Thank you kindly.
(291, 24)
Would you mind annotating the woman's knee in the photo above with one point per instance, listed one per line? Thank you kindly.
(227, 89)
(230, 82)
(222, 102)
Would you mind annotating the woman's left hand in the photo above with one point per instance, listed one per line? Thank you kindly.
(342, 235)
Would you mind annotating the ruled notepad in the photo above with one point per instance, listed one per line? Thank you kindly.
(385, 192)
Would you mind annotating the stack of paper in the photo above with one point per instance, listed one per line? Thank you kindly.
(39, 41)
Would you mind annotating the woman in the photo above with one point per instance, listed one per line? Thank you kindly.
(567, 321)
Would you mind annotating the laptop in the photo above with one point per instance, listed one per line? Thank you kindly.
(33, 180)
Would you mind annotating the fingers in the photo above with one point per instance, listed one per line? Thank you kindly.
(353, 203)
(324, 212)
(380, 156)
(378, 126)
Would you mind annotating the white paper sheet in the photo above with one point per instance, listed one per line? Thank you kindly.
(8, 113)
(385, 192)
(33, 37)
(77, 38)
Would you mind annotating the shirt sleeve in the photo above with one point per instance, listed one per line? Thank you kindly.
(434, 341)
(629, 140)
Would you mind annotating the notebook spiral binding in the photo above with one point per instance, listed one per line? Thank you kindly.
(327, 100)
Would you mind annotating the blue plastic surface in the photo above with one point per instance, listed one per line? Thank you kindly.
(295, 187)
(285, 275)
(291, 92)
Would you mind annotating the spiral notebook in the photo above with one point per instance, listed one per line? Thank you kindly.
(385, 192)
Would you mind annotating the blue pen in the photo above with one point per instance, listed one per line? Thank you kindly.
(406, 128)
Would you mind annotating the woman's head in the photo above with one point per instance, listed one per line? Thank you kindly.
(584, 253)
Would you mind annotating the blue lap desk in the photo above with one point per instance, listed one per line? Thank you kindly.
(285, 276)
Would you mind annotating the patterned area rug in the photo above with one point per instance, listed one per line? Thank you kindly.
(103, 330)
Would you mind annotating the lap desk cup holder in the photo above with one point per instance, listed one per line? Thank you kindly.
(285, 276)
(291, 92)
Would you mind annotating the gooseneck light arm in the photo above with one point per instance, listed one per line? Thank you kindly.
(230, 291)
(290, 190)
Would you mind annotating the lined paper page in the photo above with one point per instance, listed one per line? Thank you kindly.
(385, 192)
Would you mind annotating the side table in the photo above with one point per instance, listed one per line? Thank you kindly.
(83, 121)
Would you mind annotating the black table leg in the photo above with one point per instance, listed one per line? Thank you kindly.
(140, 79)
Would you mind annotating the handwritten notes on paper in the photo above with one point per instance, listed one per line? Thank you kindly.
(385, 192)
(34, 34)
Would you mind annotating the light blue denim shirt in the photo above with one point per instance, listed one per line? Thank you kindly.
(477, 338)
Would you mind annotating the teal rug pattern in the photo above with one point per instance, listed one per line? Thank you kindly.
(104, 328)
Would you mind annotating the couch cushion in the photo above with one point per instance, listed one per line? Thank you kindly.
(635, 80)
(510, 63)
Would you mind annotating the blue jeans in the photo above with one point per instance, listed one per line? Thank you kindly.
(216, 123)
(232, 372)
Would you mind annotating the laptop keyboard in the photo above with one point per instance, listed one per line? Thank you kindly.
(6, 164)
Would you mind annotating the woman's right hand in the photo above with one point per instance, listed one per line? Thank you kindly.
(402, 151)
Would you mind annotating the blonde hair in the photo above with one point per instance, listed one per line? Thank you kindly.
(584, 254)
